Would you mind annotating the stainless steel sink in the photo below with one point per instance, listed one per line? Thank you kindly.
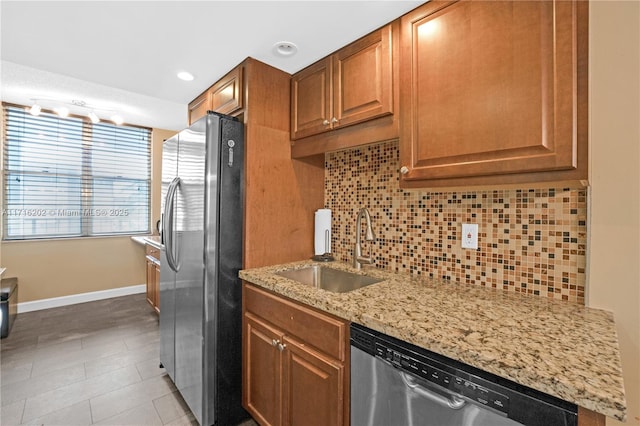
(328, 278)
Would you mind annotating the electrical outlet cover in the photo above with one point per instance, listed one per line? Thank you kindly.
(470, 236)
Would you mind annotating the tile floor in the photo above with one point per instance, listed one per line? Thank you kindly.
(91, 363)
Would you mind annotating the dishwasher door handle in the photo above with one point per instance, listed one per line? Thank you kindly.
(452, 401)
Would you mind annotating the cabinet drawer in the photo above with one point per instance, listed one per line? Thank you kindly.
(326, 333)
(153, 252)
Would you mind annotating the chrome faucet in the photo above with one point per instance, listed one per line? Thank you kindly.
(358, 259)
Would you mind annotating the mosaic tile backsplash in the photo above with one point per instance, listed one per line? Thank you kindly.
(530, 240)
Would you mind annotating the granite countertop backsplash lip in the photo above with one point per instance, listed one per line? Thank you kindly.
(560, 348)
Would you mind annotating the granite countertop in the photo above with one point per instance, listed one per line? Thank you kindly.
(152, 240)
(556, 347)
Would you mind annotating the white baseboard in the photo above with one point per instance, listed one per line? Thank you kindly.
(56, 302)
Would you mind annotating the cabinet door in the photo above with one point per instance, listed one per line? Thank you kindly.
(311, 100)
(156, 287)
(363, 79)
(489, 88)
(313, 387)
(226, 96)
(151, 272)
(262, 387)
(199, 107)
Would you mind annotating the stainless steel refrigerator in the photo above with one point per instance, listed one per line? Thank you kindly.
(200, 292)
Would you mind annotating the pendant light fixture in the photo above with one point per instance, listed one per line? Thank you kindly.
(60, 108)
(35, 109)
(118, 120)
(62, 111)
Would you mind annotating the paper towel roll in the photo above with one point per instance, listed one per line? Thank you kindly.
(322, 224)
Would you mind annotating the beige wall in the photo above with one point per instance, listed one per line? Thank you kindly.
(55, 268)
(614, 227)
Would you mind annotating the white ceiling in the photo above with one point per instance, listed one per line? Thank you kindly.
(123, 56)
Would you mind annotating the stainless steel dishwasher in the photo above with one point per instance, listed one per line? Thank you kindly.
(394, 383)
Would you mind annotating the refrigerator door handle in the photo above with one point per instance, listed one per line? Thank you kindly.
(168, 226)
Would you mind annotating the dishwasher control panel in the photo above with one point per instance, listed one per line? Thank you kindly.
(446, 376)
(450, 381)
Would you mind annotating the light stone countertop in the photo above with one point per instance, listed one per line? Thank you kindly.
(556, 347)
(152, 240)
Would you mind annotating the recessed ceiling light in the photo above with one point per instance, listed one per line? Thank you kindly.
(186, 76)
(285, 48)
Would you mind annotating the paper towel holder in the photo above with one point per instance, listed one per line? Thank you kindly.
(326, 257)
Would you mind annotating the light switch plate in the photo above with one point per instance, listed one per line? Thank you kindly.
(470, 236)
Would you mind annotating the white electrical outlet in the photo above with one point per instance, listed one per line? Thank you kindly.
(470, 236)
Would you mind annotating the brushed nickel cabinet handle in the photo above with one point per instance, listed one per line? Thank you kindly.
(281, 346)
(334, 120)
(275, 342)
(404, 170)
(325, 122)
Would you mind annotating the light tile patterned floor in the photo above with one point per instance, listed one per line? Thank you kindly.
(92, 363)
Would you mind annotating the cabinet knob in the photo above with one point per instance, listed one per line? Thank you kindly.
(274, 342)
(325, 122)
(404, 170)
(281, 346)
(334, 120)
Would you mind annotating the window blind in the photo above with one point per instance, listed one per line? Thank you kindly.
(68, 177)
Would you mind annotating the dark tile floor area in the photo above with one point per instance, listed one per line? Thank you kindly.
(91, 363)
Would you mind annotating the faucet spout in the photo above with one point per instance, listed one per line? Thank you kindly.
(358, 259)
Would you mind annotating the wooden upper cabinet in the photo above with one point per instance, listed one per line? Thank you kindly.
(311, 99)
(363, 79)
(198, 107)
(226, 96)
(353, 85)
(492, 88)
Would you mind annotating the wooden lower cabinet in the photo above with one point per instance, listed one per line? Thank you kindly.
(156, 287)
(313, 386)
(590, 418)
(153, 277)
(287, 380)
(263, 377)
